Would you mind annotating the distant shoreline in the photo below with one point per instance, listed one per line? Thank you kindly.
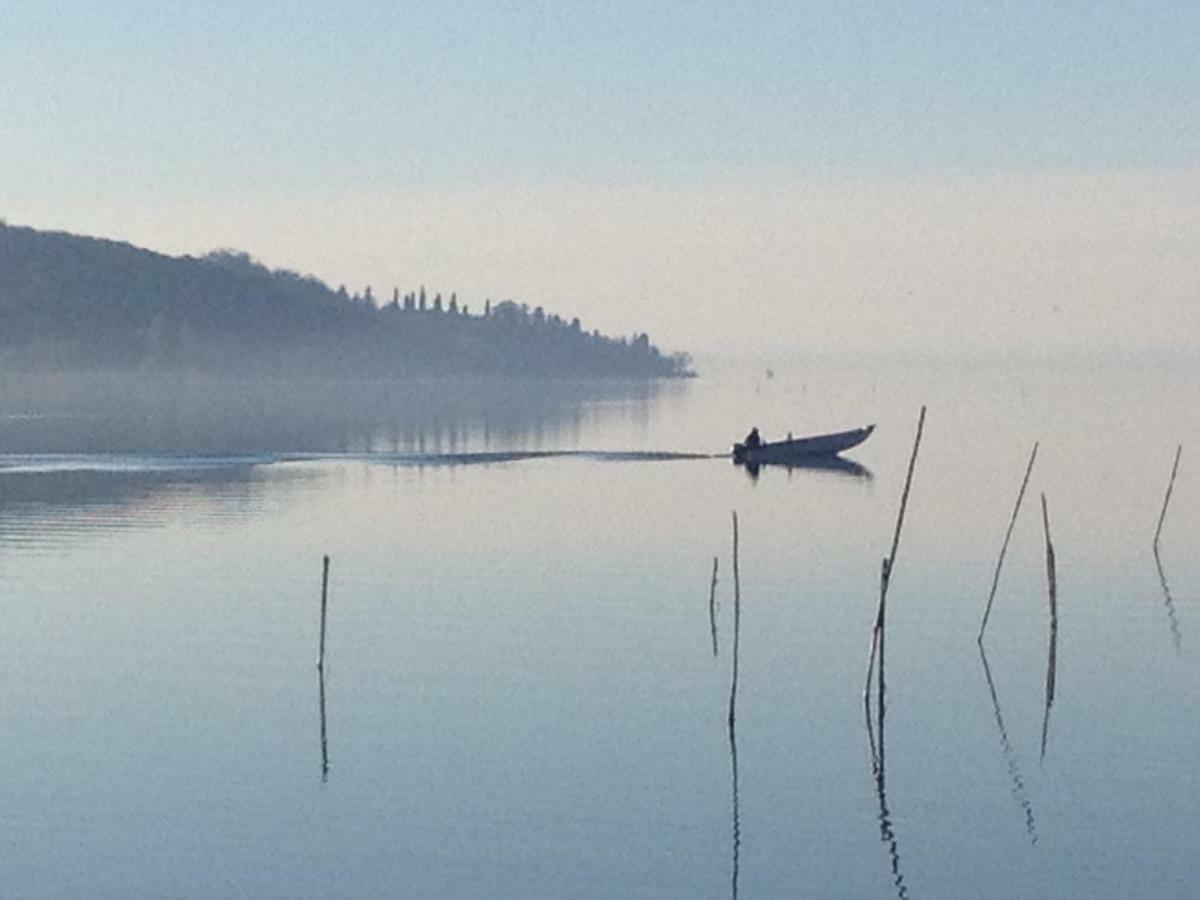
(92, 305)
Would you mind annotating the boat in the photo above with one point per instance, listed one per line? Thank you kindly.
(795, 450)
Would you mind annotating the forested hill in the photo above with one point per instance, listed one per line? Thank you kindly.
(82, 303)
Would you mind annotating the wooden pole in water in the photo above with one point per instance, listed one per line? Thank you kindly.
(886, 573)
(712, 608)
(1051, 567)
(1162, 576)
(1004, 547)
(737, 622)
(1167, 499)
(324, 605)
(881, 629)
(737, 615)
(1052, 646)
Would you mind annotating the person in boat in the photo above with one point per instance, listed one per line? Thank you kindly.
(752, 441)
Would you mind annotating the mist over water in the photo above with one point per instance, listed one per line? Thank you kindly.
(208, 415)
(521, 695)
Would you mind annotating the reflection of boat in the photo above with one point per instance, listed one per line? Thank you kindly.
(837, 465)
(798, 450)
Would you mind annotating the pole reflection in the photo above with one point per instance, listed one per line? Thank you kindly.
(887, 832)
(712, 608)
(324, 731)
(1019, 791)
(737, 615)
(1172, 618)
(737, 822)
(1051, 672)
(1168, 603)
(875, 741)
(1052, 646)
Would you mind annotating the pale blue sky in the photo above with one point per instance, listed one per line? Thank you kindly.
(230, 115)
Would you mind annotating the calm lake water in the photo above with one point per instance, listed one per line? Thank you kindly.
(521, 696)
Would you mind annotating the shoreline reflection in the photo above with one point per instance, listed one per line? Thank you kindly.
(129, 413)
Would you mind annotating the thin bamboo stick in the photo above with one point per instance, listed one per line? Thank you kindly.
(886, 572)
(1167, 499)
(1004, 547)
(737, 621)
(1172, 618)
(1052, 647)
(324, 605)
(712, 608)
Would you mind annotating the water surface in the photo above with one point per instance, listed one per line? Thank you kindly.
(521, 696)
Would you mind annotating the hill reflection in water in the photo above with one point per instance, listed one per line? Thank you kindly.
(132, 414)
(114, 445)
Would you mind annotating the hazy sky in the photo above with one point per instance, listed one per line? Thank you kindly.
(746, 176)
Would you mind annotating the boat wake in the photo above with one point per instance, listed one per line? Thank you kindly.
(134, 463)
(484, 458)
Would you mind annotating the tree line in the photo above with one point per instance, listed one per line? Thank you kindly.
(68, 301)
